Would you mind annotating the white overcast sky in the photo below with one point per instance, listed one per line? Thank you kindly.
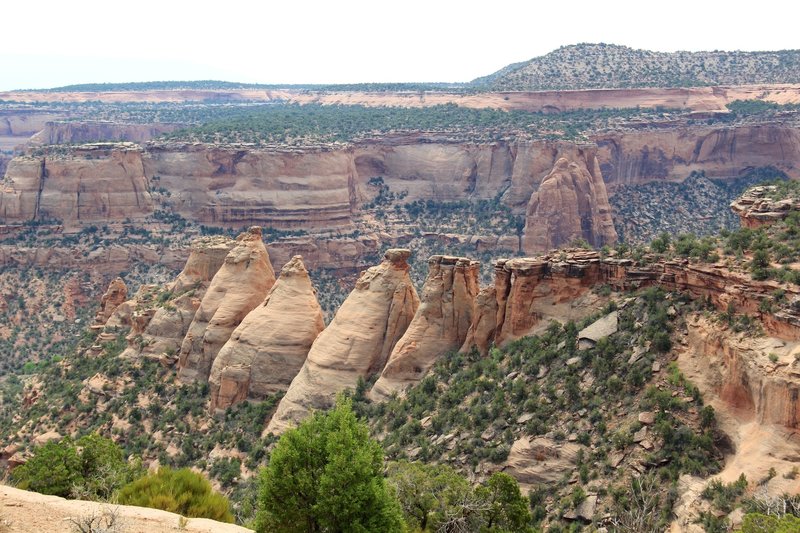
(50, 43)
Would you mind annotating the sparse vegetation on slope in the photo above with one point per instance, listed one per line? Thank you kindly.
(602, 66)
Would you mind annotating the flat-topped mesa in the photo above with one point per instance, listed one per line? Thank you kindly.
(571, 203)
(160, 318)
(755, 207)
(269, 347)
(439, 325)
(237, 288)
(357, 342)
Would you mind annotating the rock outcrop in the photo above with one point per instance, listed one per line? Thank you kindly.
(114, 296)
(439, 325)
(357, 342)
(161, 319)
(239, 286)
(755, 207)
(528, 291)
(269, 347)
(571, 203)
(758, 377)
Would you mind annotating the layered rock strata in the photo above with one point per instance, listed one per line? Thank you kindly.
(358, 341)
(239, 286)
(755, 208)
(528, 290)
(439, 325)
(266, 351)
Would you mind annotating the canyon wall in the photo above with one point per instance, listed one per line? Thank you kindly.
(92, 131)
(633, 157)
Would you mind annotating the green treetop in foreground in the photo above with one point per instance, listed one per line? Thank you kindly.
(327, 475)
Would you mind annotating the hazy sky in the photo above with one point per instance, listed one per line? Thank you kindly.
(51, 43)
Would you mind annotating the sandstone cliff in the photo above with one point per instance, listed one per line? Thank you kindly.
(529, 291)
(672, 154)
(439, 325)
(269, 347)
(240, 284)
(90, 185)
(571, 203)
(357, 342)
(92, 131)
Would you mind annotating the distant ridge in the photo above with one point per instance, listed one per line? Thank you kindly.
(217, 85)
(598, 66)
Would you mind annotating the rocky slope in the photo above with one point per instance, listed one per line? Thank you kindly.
(238, 287)
(357, 342)
(266, 351)
(756, 208)
(601, 65)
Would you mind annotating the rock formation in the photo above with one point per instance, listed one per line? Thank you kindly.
(439, 325)
(240, 284)
(98, 183)
(530, 290)
(755, 207)
(114, 296)
(358, 341)
(269, 347)
(161, 319)
(571, 203)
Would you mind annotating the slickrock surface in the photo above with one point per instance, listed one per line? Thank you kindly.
(440, 324)
(571, 203)
(269, 347)
(358, 341)
(239, 286)
(30, 512)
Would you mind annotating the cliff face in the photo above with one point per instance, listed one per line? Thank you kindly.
(96, 185)
(672, 154)
(742, 372)
(356, 343)
(529, 291)
(325, 189)
(439, 325)
(239, 286)
(269, 347)
(83, 132)
(571, 203)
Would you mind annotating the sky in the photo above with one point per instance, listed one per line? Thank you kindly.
(52, 43)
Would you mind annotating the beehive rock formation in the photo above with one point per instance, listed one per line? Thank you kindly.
(240, 284)
(440, 324)
(269, 347)
(158, 328)
(358, 341)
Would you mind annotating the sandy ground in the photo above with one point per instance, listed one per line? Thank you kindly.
(23, 511)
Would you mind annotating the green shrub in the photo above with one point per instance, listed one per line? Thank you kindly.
(178, 491)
